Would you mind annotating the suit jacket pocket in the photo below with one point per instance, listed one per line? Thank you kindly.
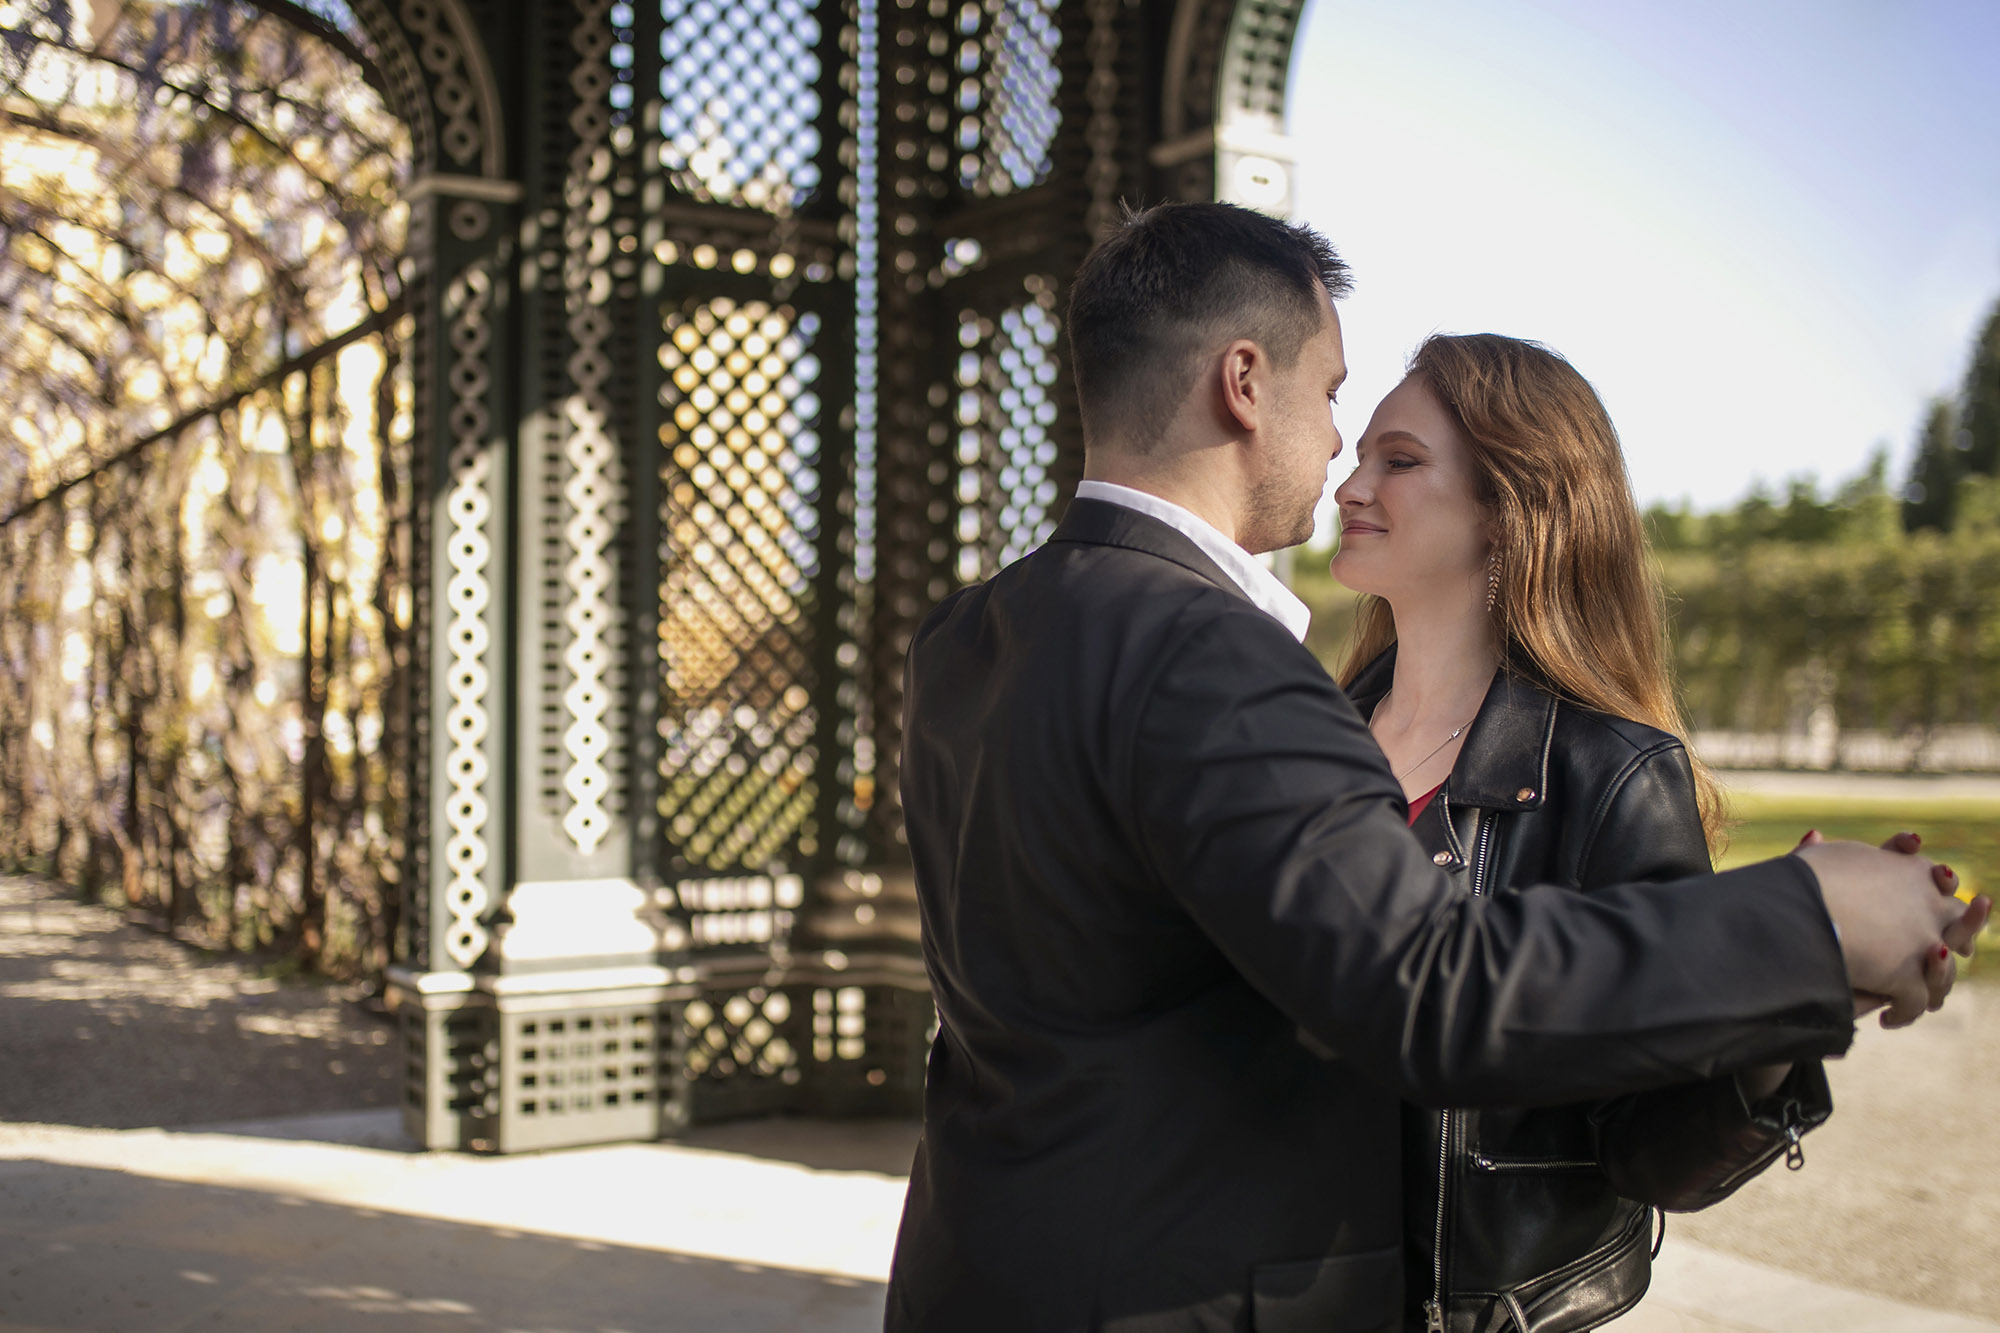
(1353, 1293)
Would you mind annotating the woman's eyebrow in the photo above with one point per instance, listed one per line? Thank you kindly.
(1403, 437)
(1391, 437)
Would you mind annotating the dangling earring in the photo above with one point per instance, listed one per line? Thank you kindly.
(1492, 580)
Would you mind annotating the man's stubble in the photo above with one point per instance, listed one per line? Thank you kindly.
(1280, 513)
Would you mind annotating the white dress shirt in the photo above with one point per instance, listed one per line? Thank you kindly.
(1264, 589)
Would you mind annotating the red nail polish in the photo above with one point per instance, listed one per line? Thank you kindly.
(1949, 871)
(1944, 951)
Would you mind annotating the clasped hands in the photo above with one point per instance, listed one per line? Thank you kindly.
(1899, 922)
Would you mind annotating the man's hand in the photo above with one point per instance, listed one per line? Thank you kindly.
(1898, 922)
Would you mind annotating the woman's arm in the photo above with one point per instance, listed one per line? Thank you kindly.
(1689, 1146)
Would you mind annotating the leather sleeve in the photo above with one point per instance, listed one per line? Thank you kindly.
(1686, 1147)
(1646, 823)
(1266, 809)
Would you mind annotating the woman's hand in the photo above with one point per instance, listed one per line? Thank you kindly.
(1940, 972)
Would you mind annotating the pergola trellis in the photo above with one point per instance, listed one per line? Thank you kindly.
(205, 468)
(720, 340)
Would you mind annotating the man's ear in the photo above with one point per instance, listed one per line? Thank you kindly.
(1244, 383)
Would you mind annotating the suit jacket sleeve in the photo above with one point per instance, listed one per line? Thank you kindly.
(1691, 1145)
(1267, 811)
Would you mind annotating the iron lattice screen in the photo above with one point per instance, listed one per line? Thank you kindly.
(739, 559)
(1005, 489)
(740, 101)
(1005, 94)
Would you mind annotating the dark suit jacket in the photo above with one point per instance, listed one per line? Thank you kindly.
(1154, 845)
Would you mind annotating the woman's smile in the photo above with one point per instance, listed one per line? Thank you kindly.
(1411, 526)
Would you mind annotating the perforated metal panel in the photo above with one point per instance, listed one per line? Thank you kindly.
(585, 1074)
(740, 101)
(1006, 450)
(451, 1056)
(741, 1032)
(746, 914)
(740, 486)
(1005, 96)
(1257, 57)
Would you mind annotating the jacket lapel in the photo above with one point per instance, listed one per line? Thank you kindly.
(1101, 523)
(1504, 764)
(1506, 750)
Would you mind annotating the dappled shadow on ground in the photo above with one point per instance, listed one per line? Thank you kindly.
(108, 1025)
(883, 1146)
(110, 1252)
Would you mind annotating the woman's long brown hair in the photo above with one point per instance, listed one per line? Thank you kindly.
(1580, 608)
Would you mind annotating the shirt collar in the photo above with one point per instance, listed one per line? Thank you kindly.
(1264, 589)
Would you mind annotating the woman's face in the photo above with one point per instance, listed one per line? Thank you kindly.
(1410, 525)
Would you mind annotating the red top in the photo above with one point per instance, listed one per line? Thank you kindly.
(1417, 806)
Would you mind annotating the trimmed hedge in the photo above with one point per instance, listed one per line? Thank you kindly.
(1899, 635)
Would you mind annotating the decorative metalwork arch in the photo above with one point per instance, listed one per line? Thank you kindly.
(734, 341)
(1222, 101)
(838, 231)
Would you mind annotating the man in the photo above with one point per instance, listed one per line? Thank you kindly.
(1186, 955)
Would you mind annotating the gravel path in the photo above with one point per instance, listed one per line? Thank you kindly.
(1900, 1194)
(105, 1024)
(1865, 786)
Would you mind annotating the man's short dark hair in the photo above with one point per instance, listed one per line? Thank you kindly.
(1168, 286)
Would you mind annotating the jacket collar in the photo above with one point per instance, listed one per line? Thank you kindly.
(1504, 763)
(1100, 523)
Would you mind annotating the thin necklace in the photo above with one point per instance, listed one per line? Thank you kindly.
(1456, 732)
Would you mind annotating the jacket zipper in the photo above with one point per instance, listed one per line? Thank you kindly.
(1435, 1307)
(1481, 1162)
(1791, 1121)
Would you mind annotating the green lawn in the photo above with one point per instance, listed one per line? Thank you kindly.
(1963, 834)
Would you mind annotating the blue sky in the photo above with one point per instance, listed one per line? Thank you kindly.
(1766, 230)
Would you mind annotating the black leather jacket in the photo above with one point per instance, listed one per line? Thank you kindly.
(1539, 1220)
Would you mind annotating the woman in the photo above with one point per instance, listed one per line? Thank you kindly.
(1511, 660)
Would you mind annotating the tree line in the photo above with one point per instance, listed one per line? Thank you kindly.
(1878, 602)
